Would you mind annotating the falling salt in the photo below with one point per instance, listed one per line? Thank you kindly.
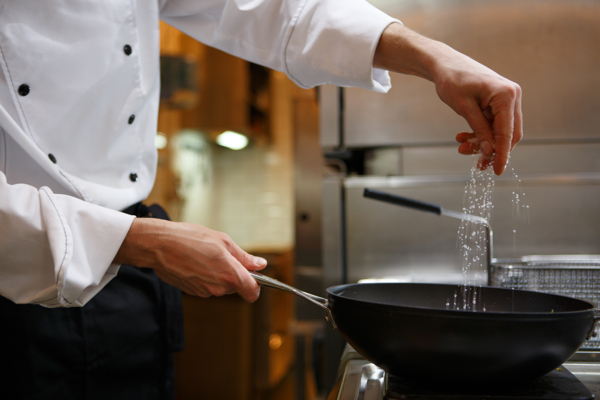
(520, 207)
(472, 238)
(466, 298)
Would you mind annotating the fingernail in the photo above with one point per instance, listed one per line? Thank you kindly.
(486, 148)
(259, 261)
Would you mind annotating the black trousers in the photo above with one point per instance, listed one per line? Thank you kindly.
(120, 345)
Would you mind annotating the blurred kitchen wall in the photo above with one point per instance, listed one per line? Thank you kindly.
(246, 193)
(234, 349)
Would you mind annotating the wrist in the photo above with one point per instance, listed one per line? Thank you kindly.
(138, 247)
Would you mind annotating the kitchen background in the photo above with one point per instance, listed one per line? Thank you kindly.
(293, 195)
(235, 350)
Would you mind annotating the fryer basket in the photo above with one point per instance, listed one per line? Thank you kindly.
(573, 276)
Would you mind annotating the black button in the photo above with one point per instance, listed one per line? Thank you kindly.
(133, 177)
(52, 158)
(24, 89)
(131, 119)
(127, 49)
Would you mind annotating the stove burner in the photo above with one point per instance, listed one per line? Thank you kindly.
(559, 384)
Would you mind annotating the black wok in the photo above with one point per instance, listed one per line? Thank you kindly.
(453, 333)
(415, 330)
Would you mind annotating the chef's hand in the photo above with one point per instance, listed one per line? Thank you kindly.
(490, 103)
(195, 259)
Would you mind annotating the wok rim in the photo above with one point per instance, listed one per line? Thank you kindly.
(463, 313)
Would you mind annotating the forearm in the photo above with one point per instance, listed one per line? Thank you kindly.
(407, 52)
(402, 50)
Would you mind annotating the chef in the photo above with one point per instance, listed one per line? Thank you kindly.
(87, 284)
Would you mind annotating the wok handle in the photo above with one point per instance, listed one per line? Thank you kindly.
(264, 280)
(402, 201)
(592, 331)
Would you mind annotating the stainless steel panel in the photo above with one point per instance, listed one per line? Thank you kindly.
(329, 118)
(308, 170)
(333, 261)
(385, 240)
(549, 47)
(332, 231)
(526, 158)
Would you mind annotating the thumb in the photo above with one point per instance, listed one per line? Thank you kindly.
(250, 290)
(482, 129)
(250, 262)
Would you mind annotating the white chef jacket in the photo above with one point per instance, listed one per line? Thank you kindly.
(79, 96)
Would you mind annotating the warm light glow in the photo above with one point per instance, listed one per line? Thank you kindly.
(232, 140)
(160, 141)
(275, 341)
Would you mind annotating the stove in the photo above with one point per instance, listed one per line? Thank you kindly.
(358, 379)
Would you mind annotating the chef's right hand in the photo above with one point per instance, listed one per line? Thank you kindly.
(197, 260)
(490, 103)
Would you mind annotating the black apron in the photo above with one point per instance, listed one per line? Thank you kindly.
(120, 345)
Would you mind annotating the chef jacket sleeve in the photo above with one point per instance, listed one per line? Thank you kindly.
(56, 250)
(312, 41)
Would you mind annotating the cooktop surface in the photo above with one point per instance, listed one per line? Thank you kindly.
(559, 384)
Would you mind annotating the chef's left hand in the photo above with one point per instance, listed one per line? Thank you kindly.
(490, 103)
(193, 258)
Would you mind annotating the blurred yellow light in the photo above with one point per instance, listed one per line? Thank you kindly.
(275, 341)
